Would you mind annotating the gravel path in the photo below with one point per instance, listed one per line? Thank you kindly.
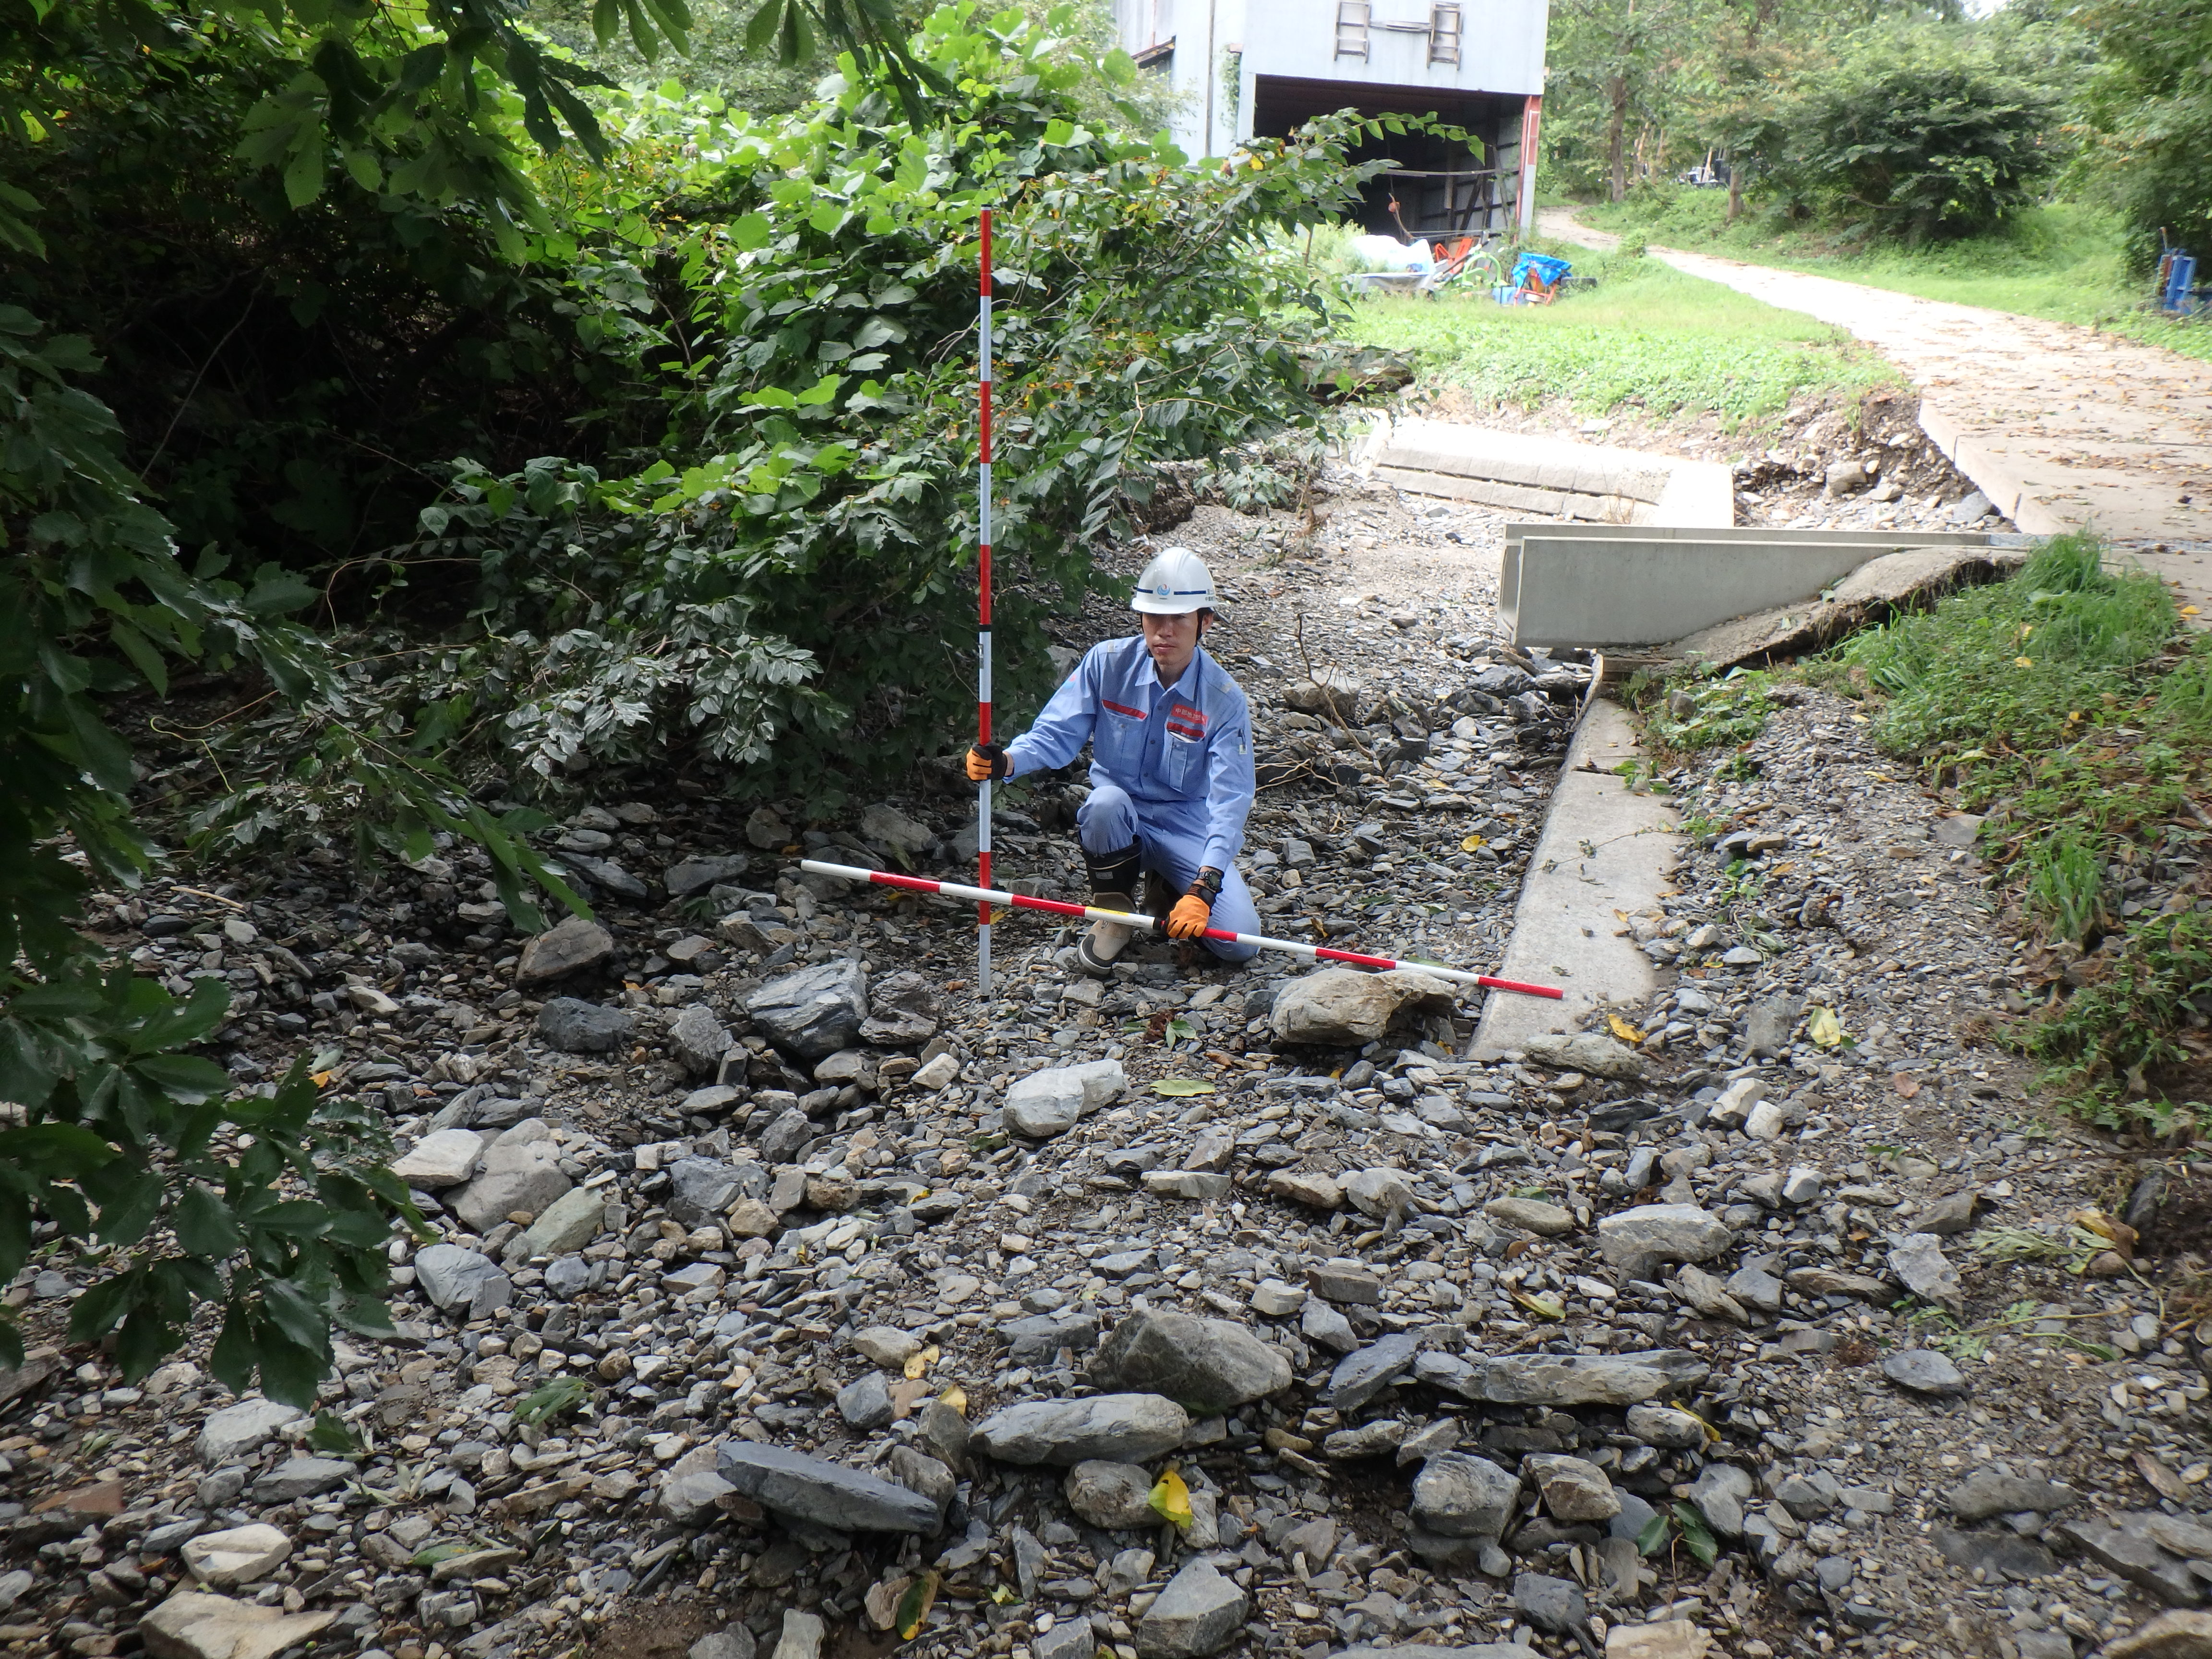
(2063, 427)
(864, 1285)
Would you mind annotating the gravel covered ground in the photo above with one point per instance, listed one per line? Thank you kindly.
(870, 1287)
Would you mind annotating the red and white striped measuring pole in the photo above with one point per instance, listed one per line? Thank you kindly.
(986, 897)
(983, 626)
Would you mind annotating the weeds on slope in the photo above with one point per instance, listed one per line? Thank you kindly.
(2070, 706)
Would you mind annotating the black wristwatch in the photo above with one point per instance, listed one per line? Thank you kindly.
(1207, 886)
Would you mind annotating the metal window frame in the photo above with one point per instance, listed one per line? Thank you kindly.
(1443, 44)
(1353, 19)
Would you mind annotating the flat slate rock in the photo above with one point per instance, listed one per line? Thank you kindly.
(828, 1494)
(1118, 1428)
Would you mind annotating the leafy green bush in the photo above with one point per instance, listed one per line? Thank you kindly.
(807, 568)
(1913, 135)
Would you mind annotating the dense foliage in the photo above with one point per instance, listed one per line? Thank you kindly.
(2149, 107)
(1884, 119)
(1911, 136)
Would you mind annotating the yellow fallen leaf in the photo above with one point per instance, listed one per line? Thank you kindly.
(916, 1364)
(956, 1398)
(2188, 610)
(2118, 1234)
(2023, 662)
(1170, 1498)
(1542, 1307)
(913, 1607)
(322, 1080)
(1621, 1029)
(1824, 1028)
(1472, 844)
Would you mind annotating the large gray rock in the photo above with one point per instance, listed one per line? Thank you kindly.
(1588, 1052)
(700, 1190)
(1205, 1365)
(1985, 1493)
(302, 1477)
(815, 1011)
(1920, 1265)
(568, 1223)
(1555, 1606)
(1459, 1496)
(1340, 1006)
(191, 1624)
(444, 1159)
(1563, 1380)
(1923, 1370)
(886, 826)
(697, 1040)
(1574, 1490)
(453, 1277)
(1196, 1614)
(1651, 1233)
(902, 1010)
(1360, 1376)
(1054, 1100)
(1116, 1428)
(697, 875)
(236, 1555)
(1720, 1492)
(577, 1027)
(521, 1174)
(569, 946)
(1111, 1495)
(1070, 1638)
(828, 1494)
(229, 1434)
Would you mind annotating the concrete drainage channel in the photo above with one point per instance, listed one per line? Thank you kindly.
(1648, 568)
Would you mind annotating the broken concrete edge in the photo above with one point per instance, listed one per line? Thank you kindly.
(1883, 588)
(1562, 585)
(1990, 471)
(1604, 853)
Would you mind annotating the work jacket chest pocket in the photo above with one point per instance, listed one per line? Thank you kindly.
(1184, 763)
(1117, 741)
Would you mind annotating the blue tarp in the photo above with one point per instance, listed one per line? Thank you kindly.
(1547, 269)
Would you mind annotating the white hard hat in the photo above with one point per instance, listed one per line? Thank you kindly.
(1175, 582)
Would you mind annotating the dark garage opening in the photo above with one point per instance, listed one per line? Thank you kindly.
(1442, 190)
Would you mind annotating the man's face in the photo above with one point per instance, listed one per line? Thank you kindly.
(1171, 639)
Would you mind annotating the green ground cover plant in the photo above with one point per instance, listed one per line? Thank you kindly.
(2071, 708)
(1645, 336)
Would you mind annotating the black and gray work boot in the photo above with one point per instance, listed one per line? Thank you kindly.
(1113, 881)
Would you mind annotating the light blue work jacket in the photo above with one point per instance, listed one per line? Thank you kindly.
(1183, 752)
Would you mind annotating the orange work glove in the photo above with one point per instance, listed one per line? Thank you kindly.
(1189, 918)
(987, 763)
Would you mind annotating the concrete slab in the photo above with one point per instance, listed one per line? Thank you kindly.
(1525, 474)
(1633, 588)
(1604, 853)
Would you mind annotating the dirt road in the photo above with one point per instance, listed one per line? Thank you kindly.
(2061, 427)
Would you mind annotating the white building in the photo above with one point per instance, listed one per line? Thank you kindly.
(1259, 68)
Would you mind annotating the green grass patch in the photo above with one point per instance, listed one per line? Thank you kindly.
(2061, 262)
(1645, 336)
(2071, 708)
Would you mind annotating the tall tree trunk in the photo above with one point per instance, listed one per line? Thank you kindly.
(1616, 131)
(1735, 193)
